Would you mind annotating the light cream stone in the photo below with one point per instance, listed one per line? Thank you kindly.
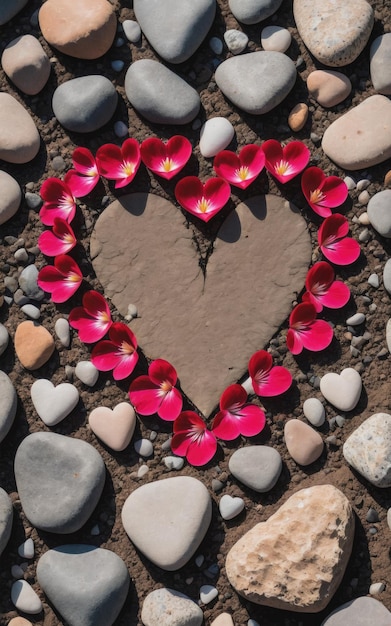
(114, 427)
(361, 137)
(342, 390)
(84, 29)
(19, 621)
(19, 137)
(368, 449)
(224, 619)
(329, 88)
(298, 117)
(304, 444)
(26, 63)
(34, 345)
(297, 558)
(11, 196)
(167, 607)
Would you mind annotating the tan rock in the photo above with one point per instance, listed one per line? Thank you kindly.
(304, 444)
(224, 619)
(84, 29)
(387, 179)
(297, 558)
(329, 88)
(298, 117)
(34, 345)
(19, 138)
(26, 63)
(114, 427)
(19, 621)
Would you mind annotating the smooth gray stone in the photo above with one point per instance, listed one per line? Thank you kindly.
(159, 94)
(379, 212)
(387, 276)
(85, 104)
(4, 339)
(175, 28)
(86, 585)
(362, 611)
(9, 8)
(257, 467)
(380, 63)
(6, 517)
(256, 82)
(253, 11)
(8, 404)
(59, 480)
(28, 283)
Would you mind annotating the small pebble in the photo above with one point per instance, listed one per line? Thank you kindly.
(87, 373)
(69, 372)
(143, 447)
(24, 598)
(173, 462)
(17, 572)
(199, 560)
(208, 593)
(372, 516)
(31, 311)
(363, 198)
(62, 330)
(166, 445)
(350, 183)
(314, 411)
(33, 200)
(356, 319)
(120, 129)
(364, 236)
(26, 549)
(373, 280)
(235, 40)
(252, 622)
(142, 471)
(389, 518)
(275, 38)
(363, 184)
(95, 531)
(58, 164)
(4, 338)
(132, 30)
(21, 255)
(298, 117)
(216, 45)
(364, 219)
(387, 179)
(117, 65)
(340, 420)
(376, 588)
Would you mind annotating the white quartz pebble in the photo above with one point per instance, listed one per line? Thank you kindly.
(173, 462)
(376, 588)
(143, 447)
(62, 330)
(24, 598)
(235, 40)
(142, 471)
(215, 135)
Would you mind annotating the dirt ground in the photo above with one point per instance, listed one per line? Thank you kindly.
(370, 561)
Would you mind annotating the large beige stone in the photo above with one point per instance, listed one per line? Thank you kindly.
(26, 63)
(84, 29)
(208, 328)
(19, 137)
(297, 558)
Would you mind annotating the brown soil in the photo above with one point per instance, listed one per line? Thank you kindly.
(370, 561)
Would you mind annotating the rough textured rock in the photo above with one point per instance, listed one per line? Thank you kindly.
(167, 607)
(368, 449)
(34, 345)
(19, 138)
(185, 24)
(11, 196)
(168, 534)
(26, 63)
(380, 63)
(361, 137)
(256, 82)
(297, 558)
(360, 612)
(133, 231)
(84, 29)
(6, 517)
(67, 572)
(329, 88)
(253, 11)
(8, 404)
(335, 33)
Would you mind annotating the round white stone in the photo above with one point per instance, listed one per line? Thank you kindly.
(275, 38)
(143, 447)
(87, 373)
(24, 598)
(314, 411)
(215, 135)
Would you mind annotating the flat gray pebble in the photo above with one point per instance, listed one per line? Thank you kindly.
(8, 404)
(257, 467)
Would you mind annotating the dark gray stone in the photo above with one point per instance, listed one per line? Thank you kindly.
(86, 585)
(59, 480)
(85, 104)
(8, 404)
(9, 8)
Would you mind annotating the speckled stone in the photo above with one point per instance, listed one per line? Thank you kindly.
(167, 607)
(368, 449)
(335, 33)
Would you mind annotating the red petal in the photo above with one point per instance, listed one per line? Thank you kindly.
(337, 296)
(153, 152)
(226, 426)
(160, 371)
(188, 191)
(171, 405)
(279, 380)
(302, 314)
(226, 163)
(249, 422)
(120, 333)
(54, 281)
(109, 160)
(53, 189)
(84, 162)
(192, 439)
(335, 190)
(334, 227)
(298, 155)
(105, 356)
(52, 244)
(201, 452)
(95, 304)
(311, 179)
(90, 329)
(145, 395)
(309, 297)
(66, 265)
(218, 191)
(260, 361)
(342, 252)
(320, 273)
(125, 366)
(318, 336)
(294, 342)
(233, 398)
(81, 185)
(179, 149)
(273, 153)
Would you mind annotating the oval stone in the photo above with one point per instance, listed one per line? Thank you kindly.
(6, 517)
(26, 63)
(380, 63)
(257, 467)
(253, 11)
(215, 135)
(34, 345)
(361, 137)
(304, 444)
(11, 196)
(159, 94)
(8, 404)
(67, 571)
(379, 212)
(85, 104)
(329, 88)
(19, 137)
(334, 32)
(59, 480)
(256, 82)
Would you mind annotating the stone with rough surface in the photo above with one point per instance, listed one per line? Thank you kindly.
(361, 137)
(6, 517)
(96, 580)
(253, 11)
(334, 32)
(159, 94)
(11, 196)
(328, 87)
(257, 467)
(10, 8)
(304, 444)
(185, 24)
(168, 534)
(84, 29)
(208, 320)
(256, 82)
(297, 558)
(19, 138)
(26, 63)
(167, 607)
(235, 40)
(359, 612)
(380, 63)
(342, 390)
(8, 404)
(368, 449)
(34, 345)
(59, 481)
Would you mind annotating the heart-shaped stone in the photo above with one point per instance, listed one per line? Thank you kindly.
(69, 571)
(52, 403)
(342, 390)
(34, 345)
(185, 24)
(207, 327)
(230, 507)
(114, 427)
(168, 519)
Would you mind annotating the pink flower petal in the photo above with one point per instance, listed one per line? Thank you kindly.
(125, 366)
(105, 356)
(318, 336)
(306, 331)
(171, 405)
(166, 160)
(322, 290)
(192, 439)
(93, 319)
(233, 398)
(294, 341)
(62, 280)
(84, 162)
(203, 201)
(240, 170)
(160, 371)
(59, 241)
(342, 252)
(58, 202)
(285, 163)
(81, 185)
(268, 380)
(145, 395)
(109, 160)
(323, 193)
(248, 421)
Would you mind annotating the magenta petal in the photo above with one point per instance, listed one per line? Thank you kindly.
(96, 305)
(145, 395)
(125, 366)
(252, 420)
(188, 191)
(104, 356)
(279, 381)
(335, 190)
(302, 314)
(84, 162)
(160, 371)
(226, 426)
(342, 252)
(81, 185)
(171, 405)
(318, 336)
(109, 160)
(50, 245)
(233, 397)
(334, 227)
(192, 439)
(316, 301)
(337, 296)
(201, 452)
(294, 342)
